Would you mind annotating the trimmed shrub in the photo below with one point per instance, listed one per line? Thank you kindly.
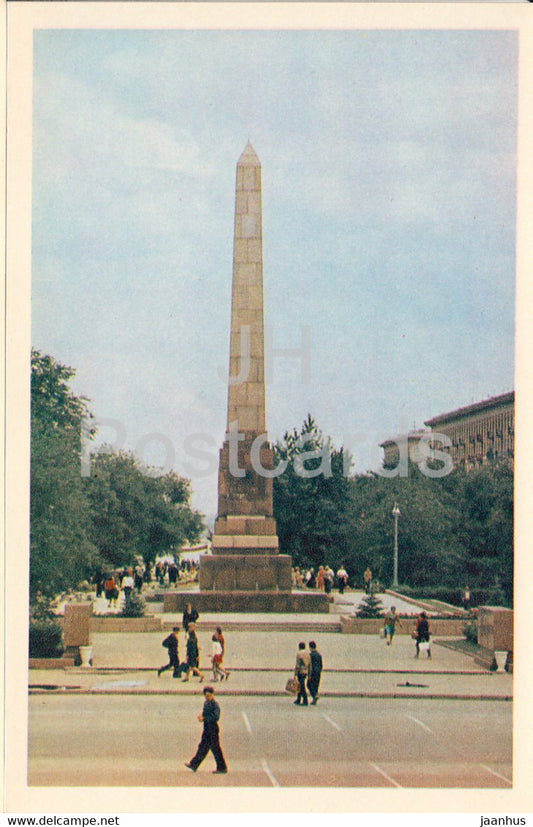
(134, 606)
(470, 630)
(454, 596)
(46, 639)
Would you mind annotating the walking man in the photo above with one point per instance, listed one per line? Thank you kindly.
(391, 619)
(210, 736)
(302, 671)
(342, 579)
(329, 577)
(171, 643)
(313, 681)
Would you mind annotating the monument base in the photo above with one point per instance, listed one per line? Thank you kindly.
(247, 601)
(245, 572)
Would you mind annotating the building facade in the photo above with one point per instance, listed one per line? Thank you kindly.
(404, 445)
(478, 432)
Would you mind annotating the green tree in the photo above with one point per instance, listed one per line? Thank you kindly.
(311, 497)
(82, 523)
(485, 525)
(428, 550)
(371, 606)
(61, 552)
(134, 512)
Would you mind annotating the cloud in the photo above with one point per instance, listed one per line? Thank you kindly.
(77, 131)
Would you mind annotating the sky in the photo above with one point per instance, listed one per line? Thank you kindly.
(389, 187)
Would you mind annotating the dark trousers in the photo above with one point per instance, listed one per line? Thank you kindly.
(302, 693)
(313, 684)
(210, 741)
(172, 664)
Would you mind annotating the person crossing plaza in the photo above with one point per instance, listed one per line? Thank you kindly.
(313, 680)
(302, 672)
(391, 619)
(210, 740)
(171, 643)
(193, 654)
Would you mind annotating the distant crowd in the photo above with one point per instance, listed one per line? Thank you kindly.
(326, 579)
(127, 579)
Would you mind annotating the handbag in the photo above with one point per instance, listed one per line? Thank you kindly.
(424, 646)
(292, 685)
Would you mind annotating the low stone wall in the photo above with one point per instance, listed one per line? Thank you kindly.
(51, 663)
(439, 627)
(253, 602)
(100, 623)
(495, 634)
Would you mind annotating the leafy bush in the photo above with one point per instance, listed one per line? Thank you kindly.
(470, 630)
(134, 606)
(46, 638)
(493, 596)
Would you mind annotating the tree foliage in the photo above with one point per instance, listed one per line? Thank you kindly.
(136, 513)
(80, 523)
(310, 509)
(453, 530)
(61, 552)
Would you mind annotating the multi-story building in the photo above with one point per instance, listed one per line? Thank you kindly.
(478, 432)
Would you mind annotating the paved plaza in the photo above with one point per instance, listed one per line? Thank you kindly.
(388, 719)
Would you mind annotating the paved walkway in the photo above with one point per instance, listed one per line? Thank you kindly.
(346, 603)
(261, 661)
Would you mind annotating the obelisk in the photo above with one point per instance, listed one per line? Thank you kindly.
(245, 544)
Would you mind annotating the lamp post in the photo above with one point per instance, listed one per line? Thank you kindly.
(395, 514)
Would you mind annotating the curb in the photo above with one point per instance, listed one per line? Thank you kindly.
(261, 693)
(103, 670)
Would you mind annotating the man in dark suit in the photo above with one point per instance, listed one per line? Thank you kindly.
(210, 736)
(171, 643)
(190, 615)
(313, 681)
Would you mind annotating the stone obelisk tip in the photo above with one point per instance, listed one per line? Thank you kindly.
(248, 155)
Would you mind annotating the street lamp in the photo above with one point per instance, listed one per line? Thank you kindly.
(395, 514)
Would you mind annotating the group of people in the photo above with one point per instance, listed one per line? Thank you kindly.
(192, 650)
(129, 578)
(171, 573)
(324, 578)
(210, 714)
(111, 583)
(308, 671)
(420, 633)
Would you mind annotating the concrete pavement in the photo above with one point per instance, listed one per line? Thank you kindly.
(261, 661)
(143, 741)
